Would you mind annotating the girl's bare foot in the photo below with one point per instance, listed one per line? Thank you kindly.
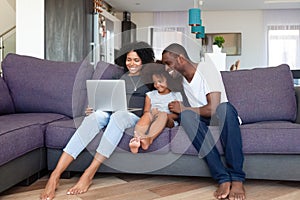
(49, 191)
(81, 186)
(145, 142)
(135, 144)
(223, 190)
(237, 191)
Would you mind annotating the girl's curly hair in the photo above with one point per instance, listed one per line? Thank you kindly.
(151, 69)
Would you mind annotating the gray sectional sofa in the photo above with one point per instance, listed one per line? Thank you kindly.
(42, 103)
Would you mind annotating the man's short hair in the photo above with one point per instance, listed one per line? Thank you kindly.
(176, 50)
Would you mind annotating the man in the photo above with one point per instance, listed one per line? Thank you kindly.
(203, 86)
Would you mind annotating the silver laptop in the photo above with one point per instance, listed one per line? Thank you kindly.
(107, 95)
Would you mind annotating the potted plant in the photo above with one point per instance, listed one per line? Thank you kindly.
(218, 43)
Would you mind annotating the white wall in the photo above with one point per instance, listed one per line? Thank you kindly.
(142, 20)
(249, 23)
(30, 28)
(7, 12)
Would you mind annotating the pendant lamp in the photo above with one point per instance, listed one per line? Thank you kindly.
(201, 35)
(196, 29)
(194, 17)
(195, 20)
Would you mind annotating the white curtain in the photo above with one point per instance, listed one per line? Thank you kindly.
(283, 45)
(282, 29)
(172, 27)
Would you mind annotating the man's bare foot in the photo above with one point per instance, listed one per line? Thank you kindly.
(237, 191)
(223, 190)
(49, 191)
(81, 186)
(135, 144)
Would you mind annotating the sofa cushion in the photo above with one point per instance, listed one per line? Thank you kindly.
(79, 95)
(6, 104)
(59, 133)
(39, 85)
(181, 144)
(22, 133)
(262, 94)
(269, 137)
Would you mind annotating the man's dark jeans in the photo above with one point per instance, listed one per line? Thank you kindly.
(198, 131)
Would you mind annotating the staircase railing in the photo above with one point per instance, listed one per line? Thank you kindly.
(7, 44)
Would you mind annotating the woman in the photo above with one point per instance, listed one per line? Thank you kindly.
(133, 56)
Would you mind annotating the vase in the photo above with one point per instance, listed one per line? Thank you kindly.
(216, 49)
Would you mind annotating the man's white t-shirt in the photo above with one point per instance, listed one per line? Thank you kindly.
(207, 79)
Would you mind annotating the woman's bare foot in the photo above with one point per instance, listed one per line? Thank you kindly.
(81, 186)
(237, 191)
(49, 191)
(135, 144)
(223, 190)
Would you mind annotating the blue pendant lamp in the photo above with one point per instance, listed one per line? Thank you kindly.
(195, 20)
(201, 35)
(195, 17)
(196, 29)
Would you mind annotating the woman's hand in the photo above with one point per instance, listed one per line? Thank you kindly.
(89, 111)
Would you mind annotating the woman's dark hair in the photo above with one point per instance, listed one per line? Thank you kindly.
(143, 50)
(151, 69)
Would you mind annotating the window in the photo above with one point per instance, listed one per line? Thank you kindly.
(284, 45)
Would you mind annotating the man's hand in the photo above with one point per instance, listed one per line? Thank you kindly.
(176, 107)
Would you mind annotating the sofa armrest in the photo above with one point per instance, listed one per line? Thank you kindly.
(297, 90)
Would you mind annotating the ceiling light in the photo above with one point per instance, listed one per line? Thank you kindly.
(281, 1)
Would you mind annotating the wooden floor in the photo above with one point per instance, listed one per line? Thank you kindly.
(145, 187)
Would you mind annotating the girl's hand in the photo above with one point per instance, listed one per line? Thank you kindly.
(89, 111)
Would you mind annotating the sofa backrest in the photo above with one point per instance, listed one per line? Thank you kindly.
(6, 103)
(38, 85)
(103, 70)
(106, 70)
(262, 94)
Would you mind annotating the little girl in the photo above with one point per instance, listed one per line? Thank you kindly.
(156, 114)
